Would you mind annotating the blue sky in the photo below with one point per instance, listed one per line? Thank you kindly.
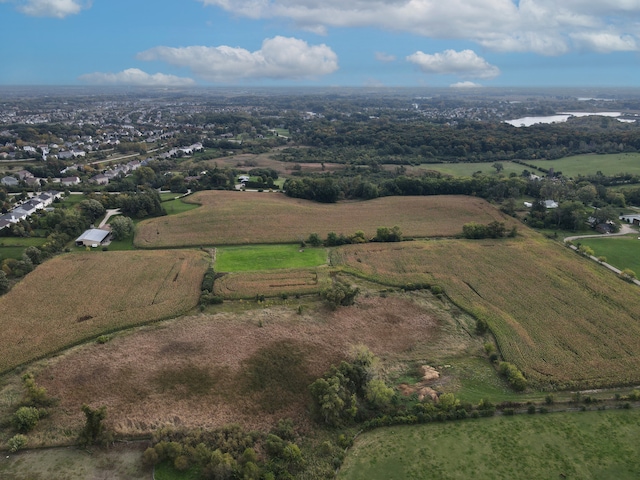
(436, 43)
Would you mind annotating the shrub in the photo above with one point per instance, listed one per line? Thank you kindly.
(531, 409)
(26, 418)
(17, 442)
(513, 376)
(150, 457)
(340, 294)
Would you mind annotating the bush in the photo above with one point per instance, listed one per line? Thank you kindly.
(340, 294)
(513, 376)
(26, 418)
(150, 457)
(531, 409)
(17, 442)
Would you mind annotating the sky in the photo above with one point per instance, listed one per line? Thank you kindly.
(356, 43)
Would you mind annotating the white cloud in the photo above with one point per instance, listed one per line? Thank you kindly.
(51, 8)
(385, 57)
(466, 84)
(548, 27)
(136, 77)
(465, 64)
(279, 58)
(605, 42)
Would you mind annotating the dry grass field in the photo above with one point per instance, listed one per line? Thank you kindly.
(250, 368)
(564, 320)
(272, 283)
(75, 297)
(231, 218)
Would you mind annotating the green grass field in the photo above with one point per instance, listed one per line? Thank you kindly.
(590, 164)
(621, 252)
(173, 207)
(589, 445)
(13, 247)
(268, 257)
(468, 169)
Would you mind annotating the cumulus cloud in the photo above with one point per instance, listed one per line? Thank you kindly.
(385, 57)
(466, 84)
(50, 8)
(548, 27)
(136, 77)
(465, 64)
(278, 58)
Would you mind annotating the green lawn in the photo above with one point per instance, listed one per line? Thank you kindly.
(173, 207)
(590, 164)
(589, 445)
(267, 257)
(621, 252)
(13, 247)
(468, 169)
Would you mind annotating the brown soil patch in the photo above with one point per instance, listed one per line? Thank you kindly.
(211, 370)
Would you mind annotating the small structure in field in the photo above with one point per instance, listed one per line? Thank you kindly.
(92, 237)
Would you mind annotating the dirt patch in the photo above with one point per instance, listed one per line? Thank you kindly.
(205, 371)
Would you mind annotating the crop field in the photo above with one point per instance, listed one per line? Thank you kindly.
(589, 445)
(233, 218)
(622, 252)
(74, 297)
(268, 257)
(272, 283)
(565, 321)
(609, 164)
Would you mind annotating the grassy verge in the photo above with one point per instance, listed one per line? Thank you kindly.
(559, 445)
(268, 257)
(621, 252)
(175, 206)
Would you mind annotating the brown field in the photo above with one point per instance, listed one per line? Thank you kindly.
(231, 218)
(272, 283)
(250, 368)
(75, 297)
(563, 320)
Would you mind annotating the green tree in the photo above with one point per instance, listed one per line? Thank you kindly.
(378, 393)
(34, 254)
(314, 240)
(498, 166)
(94, 430)
(26, 418)
(340, 294)
(92, 209)
(121, 227)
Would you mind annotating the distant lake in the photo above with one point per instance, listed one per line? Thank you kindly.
(560, 117)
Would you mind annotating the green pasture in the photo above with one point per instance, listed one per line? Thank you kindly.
(621, 252)
(268, 257)
(13, 247)
(175, 206)
(466, 169)
(609, 164)
(585, 445)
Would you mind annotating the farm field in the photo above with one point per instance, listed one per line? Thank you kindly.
(268, 257)
(272, 283)
(609, 164)
(585, 445)
(564, 320)
(74, 297)
(621, 252)
(250, 367)
(232, 218)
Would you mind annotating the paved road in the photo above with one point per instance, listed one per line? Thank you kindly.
(110, 213)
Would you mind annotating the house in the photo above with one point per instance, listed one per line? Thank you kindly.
(4, 223)
(70, 181)
(243, 178)
(634, 219)
(9, 181)
(550, 204)
(92, 237)
(100, 179)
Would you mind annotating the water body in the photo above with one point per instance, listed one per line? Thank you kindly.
(561, 117)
